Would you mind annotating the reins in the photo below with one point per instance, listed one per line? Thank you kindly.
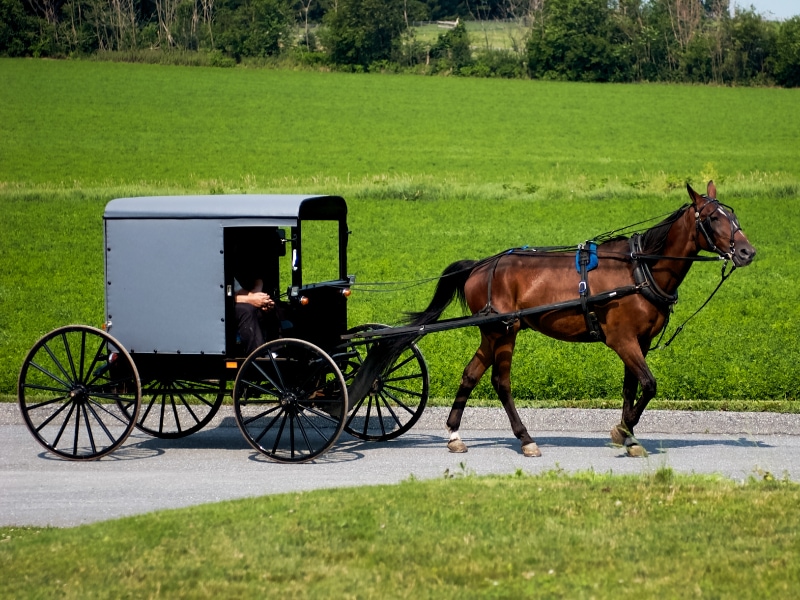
(723, 278)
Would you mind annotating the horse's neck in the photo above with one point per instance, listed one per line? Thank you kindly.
(681, 242)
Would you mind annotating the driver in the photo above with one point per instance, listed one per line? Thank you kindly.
(255, 309)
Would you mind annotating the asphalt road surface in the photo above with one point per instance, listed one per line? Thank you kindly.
(147, 474)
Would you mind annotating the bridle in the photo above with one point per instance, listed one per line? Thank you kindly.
(704, 226)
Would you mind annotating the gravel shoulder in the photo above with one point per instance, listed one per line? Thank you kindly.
(566, 420)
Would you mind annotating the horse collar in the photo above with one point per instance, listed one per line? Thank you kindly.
(643, 277)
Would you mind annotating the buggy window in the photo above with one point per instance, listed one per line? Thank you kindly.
(320, 247)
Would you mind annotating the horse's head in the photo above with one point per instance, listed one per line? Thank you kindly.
(719, 228)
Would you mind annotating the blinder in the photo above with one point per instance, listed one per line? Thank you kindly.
(705, 226)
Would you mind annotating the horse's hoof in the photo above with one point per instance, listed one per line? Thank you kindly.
(531, 450)
(634, 449)
(618, 435)
(457, 446)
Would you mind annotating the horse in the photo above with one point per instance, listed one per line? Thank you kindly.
(645, 269)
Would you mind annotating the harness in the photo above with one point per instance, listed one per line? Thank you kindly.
(586, 260)
(643, 277)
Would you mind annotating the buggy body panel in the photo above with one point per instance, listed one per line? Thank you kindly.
(169, 284)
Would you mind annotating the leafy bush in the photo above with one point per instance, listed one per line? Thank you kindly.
(16, 29)
(362, 32)
(787, 61)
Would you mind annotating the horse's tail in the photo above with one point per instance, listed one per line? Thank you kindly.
(451, 286)
(385, 351)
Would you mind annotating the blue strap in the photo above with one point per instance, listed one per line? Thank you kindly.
(591, 248)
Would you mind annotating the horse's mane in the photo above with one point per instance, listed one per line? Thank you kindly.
(653, 239)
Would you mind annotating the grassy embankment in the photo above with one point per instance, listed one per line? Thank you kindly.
(435, 170)
(589, 535)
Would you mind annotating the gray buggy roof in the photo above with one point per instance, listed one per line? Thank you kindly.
(290, 207)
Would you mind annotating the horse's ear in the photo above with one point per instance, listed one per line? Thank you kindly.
(693, 195)
(711, 190)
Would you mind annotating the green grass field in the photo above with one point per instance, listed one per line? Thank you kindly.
(88, 125)
(546, 536)
(435, 170)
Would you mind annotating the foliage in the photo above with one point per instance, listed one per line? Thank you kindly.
(17, 29)
(787, 62)
(515, 536)
(362, 32)
(256, 28)
(574, 41)
(452, 50)
(595, 40)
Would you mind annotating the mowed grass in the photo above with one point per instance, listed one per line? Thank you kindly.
(86, 124)
(659, 535)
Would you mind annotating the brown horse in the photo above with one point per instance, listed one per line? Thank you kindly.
(646, 269)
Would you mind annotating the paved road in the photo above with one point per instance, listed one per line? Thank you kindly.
(216, 464)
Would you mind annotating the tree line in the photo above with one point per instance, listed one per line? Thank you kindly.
(699, 41)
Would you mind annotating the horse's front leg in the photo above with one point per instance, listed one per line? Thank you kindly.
(637, 374)
(501, 380)
(470, 378)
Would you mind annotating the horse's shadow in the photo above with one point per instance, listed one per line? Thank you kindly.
(507, 441)
(348, 448)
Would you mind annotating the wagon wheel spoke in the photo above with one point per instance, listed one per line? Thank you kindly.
(63, 427)
(76, 401)
(50, 374)
(388, 391)
(67, 381)
(269, 425)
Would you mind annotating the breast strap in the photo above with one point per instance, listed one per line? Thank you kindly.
(643, 277)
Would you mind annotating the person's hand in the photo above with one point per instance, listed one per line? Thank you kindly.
(262, 301)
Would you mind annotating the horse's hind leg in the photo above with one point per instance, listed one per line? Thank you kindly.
(501, 380)
(470, 378)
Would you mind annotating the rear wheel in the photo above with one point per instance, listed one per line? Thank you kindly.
(290, 400)
(175, 408)
(79, 392)
(396, 398)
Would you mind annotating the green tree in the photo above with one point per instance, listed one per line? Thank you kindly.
(452, 49)
(16, 29)
(254, 27)
(752, 47)
(363, 32)
(787, 53)
(577, 40)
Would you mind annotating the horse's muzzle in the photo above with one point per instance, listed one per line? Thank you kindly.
(743, 255)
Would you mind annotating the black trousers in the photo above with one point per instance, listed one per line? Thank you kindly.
(255, 326)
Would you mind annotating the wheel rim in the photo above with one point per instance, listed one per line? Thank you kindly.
(79, 392)
(175, 408)
(290, 400)
(397, 397)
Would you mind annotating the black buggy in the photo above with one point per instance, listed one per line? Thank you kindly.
(168, 353)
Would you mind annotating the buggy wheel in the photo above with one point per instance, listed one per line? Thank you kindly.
(79, 392)
(396, 397)
(290, 400)
(175, 408)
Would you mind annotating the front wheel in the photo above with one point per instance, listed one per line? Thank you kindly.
(290, 400)
(79, 392)
(396, 398)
